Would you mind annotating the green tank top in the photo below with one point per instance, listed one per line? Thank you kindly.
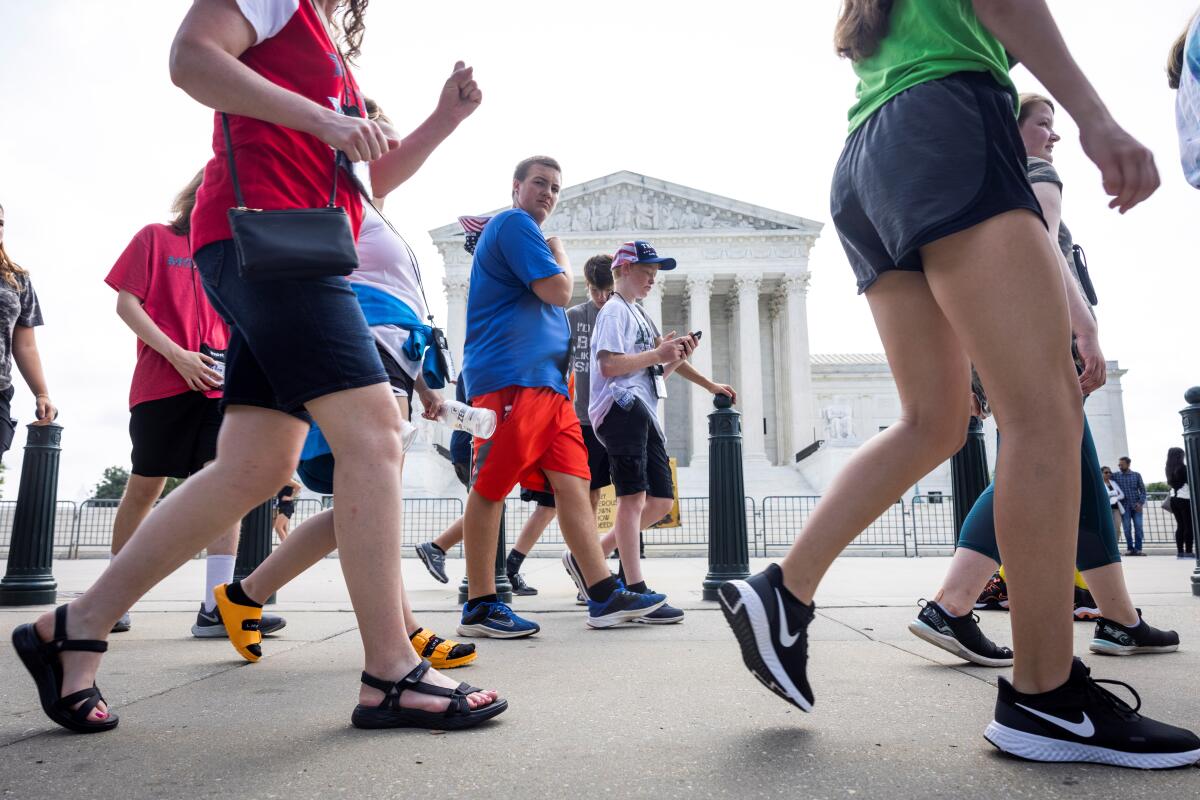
(926, 40)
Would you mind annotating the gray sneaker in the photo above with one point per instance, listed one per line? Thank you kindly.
(210, 626)
(123, 624)
(434, 560)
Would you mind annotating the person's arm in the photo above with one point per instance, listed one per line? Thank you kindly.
(1141, 492)
(204, 63)
(194, 368)
(690, 373)
(1083, 324)
(459, 99)
(1028, 31)
(556, 290)
(431, 399)
(668, 351)
(29, 362)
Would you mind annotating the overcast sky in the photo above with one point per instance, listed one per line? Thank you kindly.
(745, 100)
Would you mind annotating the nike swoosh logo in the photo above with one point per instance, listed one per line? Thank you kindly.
(785, 638)
(508, 623)
(1083, 729)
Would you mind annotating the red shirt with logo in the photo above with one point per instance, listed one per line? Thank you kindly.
(157, 268)
(278, 167)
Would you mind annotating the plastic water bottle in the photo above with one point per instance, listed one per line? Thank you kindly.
(479, 422)
(408, 434)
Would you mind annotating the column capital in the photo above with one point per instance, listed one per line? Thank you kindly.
(699, 285)
(748, 283)
(657, 290)
(777, 306)
(797, 284)
(455, 286)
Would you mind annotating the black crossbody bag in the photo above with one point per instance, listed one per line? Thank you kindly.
(292, 243)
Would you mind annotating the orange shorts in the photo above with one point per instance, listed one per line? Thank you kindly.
(536, 431)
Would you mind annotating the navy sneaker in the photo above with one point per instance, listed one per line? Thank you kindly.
(958, 635)
(1083, 721)
(520, 587)
(665, 615)
(623, 606)
(772, 632)
(572, 567)
(495, 621)
(434, 561)
(209, 625)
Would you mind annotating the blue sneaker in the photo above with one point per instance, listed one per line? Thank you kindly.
(622, 606)
(496, 621)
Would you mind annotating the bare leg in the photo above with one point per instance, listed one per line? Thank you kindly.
(135, 506)
(311, 541)
(625, 531)
(655, 509)
(533, 529)
(451, 536)
(1107, 585)
(969, 571)
(481, 531)
(594, 497)
(578, 524)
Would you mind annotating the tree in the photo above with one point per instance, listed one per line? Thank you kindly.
(112, 485)
(1158, 486)
(171, 485)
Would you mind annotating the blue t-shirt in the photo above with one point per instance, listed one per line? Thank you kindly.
(513, 338)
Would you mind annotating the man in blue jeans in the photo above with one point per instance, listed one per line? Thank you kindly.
(1131, 484)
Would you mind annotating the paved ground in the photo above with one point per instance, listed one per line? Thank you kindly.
(627, 712)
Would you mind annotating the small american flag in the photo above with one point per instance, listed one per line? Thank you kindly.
(472, 227)
(626, 254)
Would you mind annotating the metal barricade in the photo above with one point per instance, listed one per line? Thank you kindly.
(94, 526)
(784, 516)
(932, 521)
(1158, 524)
(64, 526)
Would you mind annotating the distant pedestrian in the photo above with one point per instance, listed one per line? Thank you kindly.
(285, 507)
(1134, 489)
(1115, 499)
(1180, 501)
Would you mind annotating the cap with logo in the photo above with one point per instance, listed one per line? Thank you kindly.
(641, 252)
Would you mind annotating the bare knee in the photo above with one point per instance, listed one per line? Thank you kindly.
(143, 491)
(659, 507)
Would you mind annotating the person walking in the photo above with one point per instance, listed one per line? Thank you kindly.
(1134, 489)
(285, 508)
(1115, 500)
(598, 277)
(1181, 501)
(945, 235)
(273, 67)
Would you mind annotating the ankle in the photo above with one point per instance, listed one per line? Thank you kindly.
(800, 590)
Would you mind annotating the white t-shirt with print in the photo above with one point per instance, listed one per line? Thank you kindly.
(267, 17)
(624, 328)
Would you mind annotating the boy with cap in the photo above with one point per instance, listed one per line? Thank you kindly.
(630, 364)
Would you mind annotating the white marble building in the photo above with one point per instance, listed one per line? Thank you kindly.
(743, 269)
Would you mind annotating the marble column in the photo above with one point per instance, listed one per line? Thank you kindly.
(781, 418)
(799, 372)
(750, 357)
(456, 323)
(699, 295)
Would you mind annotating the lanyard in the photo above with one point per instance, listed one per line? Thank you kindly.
(639, 319)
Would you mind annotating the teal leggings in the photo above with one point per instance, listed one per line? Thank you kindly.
(1097, 545)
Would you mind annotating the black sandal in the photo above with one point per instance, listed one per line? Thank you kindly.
(43, 662)
(389, 714)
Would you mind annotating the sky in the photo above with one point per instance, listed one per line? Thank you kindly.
(745, 100)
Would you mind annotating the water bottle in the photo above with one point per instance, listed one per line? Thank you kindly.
(408, 434)
(479, 422)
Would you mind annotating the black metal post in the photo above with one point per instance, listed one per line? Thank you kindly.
(1191, 449)
(254, 544)
(968, 473)
(29, 579)
(503, 585)
(728, 549)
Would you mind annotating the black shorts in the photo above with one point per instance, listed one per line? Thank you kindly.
(175, 436)
(402, 383)
(597, 459)
(934, 160)
(637, 456)
(543, 499)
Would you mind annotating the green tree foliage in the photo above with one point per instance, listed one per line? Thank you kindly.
(172, 485)
(1158, 486)
(112, 485)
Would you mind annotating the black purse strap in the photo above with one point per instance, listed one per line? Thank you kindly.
(237, 186)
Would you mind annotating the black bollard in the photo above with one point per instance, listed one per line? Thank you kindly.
(728, 550)
(1191, 449)
(29, 579)
(254, 543)
(503, 584)
(968, 473)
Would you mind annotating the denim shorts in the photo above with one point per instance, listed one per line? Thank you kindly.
(290, 341)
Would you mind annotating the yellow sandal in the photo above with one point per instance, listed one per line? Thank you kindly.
(241, 623)
(442, 653)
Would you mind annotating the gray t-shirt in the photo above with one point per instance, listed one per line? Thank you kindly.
(18, 306)
(1041, 171)
(581, 319)
(623, 327)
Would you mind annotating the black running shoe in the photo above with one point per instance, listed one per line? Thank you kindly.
(520, 587)
(1086, 607)
(958, 635)
(1083, 721)
(1114, 639)
(434, 561)
(994, 596)
(771, 627)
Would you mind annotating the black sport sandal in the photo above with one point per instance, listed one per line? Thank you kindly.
(44, 665)
(389, 714)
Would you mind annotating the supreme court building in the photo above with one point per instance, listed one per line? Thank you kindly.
(743, 280)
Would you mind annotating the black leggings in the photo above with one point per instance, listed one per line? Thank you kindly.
(1182, 509)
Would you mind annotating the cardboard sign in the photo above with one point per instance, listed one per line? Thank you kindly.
(606, 510)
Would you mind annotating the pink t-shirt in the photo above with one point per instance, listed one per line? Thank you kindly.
(157, 268)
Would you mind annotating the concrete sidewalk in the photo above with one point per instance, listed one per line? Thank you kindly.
(627, 712)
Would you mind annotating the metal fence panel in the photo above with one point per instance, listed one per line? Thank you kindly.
(783, 517)
(423, 518)
(64, 524)
(932, 521)
(1158, 524)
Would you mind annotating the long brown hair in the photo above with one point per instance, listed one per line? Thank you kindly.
(1175, 61)
(353, 27)
(10, 271)
(860, 28)
(181, 208)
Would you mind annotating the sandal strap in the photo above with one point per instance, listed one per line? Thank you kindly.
(393, 689)
(466, 688)
(90, 698)
(60, 642)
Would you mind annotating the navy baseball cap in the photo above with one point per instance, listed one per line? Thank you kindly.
(641, 252)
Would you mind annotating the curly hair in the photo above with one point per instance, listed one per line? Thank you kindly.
(353, 27)
(11, 272)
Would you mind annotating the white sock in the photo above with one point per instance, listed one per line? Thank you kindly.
(217, 570)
